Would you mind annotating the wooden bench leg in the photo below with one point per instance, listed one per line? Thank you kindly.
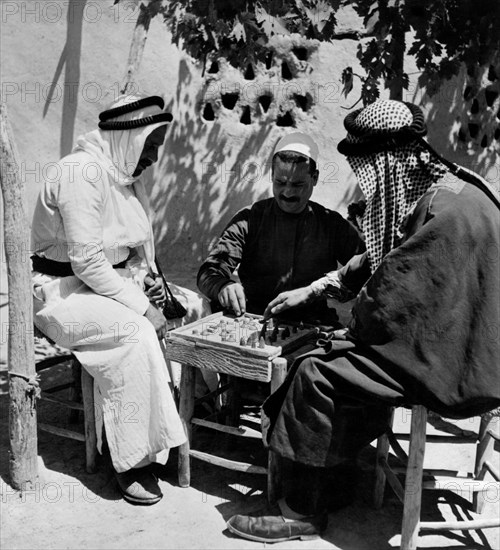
(413, 484)
(274, 466)
(186, 408)
(383, 446)
(484, 454)
(89, 421)
(75, 391)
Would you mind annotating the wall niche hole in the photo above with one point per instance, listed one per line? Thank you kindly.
(302, 101)
(208, 112)
(473, 130)
(474, 107)
(490, 96)
(214, 67)
(285, 120)
(268, 60)
(492, 74)
(265, 102)
(245, 117)
(497, 134)
(462, 135)
(484, 141)
(286, 74)
(229, 100)
(249, 73)
(300, 53)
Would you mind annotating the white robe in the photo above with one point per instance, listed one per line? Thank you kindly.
(93, 213)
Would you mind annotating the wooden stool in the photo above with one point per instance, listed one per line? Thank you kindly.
(81, 398)
(417, 478)
(278, 370)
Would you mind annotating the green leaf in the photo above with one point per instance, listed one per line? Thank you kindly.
(347, 80)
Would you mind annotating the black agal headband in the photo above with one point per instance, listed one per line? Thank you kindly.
(366, 141)
(106, 122)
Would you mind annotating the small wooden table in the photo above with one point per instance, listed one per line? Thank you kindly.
(230, 352)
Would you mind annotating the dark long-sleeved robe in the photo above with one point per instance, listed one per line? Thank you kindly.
(425, 329)
(276, 251)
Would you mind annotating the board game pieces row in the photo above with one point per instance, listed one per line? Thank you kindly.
(225, 331)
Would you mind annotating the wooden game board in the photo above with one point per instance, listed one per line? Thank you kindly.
(201, 344)
(241, 334)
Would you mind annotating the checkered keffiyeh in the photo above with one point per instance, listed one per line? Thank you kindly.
(392, 180)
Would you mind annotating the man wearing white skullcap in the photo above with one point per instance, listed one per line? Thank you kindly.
(421, 333)
(280, 243)
(93, 249)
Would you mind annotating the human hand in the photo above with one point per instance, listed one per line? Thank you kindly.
(289, 299)
(157, 319)
(155, 289)
(232, 296)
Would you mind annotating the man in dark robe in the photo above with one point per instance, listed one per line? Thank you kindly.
(281, 243)
(425, 321)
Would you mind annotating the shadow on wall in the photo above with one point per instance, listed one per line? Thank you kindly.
(70, 59)
(464, 122)
(199, 185)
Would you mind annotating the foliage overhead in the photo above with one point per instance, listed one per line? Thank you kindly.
(445, 34)
(240, 30)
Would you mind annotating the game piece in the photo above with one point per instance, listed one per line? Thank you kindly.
(242, 341)
(262, 343)
(295, 329)
(270, 323)
(301, 325)
(195, 331)
(205, 333)
(254, 343)
(286, 333)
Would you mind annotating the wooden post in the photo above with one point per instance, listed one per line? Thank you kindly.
(22, 385)
(146, 13)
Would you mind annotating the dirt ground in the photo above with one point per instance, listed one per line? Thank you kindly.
(69, 508)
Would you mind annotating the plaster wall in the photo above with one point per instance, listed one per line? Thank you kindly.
(62, 62)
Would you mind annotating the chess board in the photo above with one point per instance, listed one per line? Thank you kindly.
(243, 335)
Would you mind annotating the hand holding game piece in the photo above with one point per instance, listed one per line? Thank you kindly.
(232, 296)
(289, 299)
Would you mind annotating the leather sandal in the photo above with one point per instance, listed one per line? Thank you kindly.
(139, 486)
(270, 526)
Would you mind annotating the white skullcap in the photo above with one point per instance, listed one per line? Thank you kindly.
(298, 143)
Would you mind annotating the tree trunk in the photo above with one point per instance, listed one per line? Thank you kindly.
(22, 383)
(396, 85)
(146, 13)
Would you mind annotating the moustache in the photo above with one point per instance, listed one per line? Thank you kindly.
(289, 199)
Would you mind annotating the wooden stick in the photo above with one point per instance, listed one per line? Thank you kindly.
(229, 464)
(22, 385)
(146, 12)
